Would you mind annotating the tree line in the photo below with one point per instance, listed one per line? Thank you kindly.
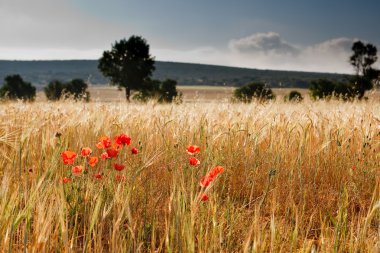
(129, 65)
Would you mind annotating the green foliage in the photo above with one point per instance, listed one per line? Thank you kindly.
(15, 88)
(321, 88)
(76, 89)
(168, 91)
(128, 64)
(325, 89)
(143, 96)
(150, 90)
(251, 91)
(164, 92)
(54, 90)
(294, 96)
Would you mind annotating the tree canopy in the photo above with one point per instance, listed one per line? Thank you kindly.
(362, 59)
(128, 64)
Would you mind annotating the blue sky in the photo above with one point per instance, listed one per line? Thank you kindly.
(294, 34)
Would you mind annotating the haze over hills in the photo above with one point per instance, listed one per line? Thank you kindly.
(41, 72)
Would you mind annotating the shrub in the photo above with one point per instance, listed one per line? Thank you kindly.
(164, 92)
(149, 89)
(15, 88)
(77, 89)
(251, 91)
(54, 90)
(168, 91)
(294, 96)
(325, 89)
(321, 88)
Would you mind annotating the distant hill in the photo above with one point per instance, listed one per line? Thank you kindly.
(41, 72)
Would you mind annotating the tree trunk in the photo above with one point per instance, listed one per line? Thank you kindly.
(128, 94)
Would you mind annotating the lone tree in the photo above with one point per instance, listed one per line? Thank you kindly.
(16, 88)
(364, 56)
(128, 64)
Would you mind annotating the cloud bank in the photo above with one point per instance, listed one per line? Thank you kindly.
(327, 56)
(266, 43)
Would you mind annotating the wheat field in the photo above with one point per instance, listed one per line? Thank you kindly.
(297, 178)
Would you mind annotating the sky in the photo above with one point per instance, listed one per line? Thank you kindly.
(305, 35)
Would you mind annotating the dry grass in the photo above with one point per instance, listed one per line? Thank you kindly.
(289, 183)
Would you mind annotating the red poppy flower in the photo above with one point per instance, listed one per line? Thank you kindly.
(98, 176)
(104, 142)
(135, 151)
(92, 161)
(354, 168)
(104, 155)
(206, 181)
(194, 161)
(85, 152)
(117, 146)
(217, 170)
(120, 178)
(123, 139)
(68, 157)
(77, 170)
(211, 175)
(118, 167)
(112, 153)
(66, 180)
(191, 150)
(204, 197)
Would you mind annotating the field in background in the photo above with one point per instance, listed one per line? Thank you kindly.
(297, 177)
(193, 93)
(190, 93)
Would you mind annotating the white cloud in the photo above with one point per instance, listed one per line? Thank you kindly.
(268, 43)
